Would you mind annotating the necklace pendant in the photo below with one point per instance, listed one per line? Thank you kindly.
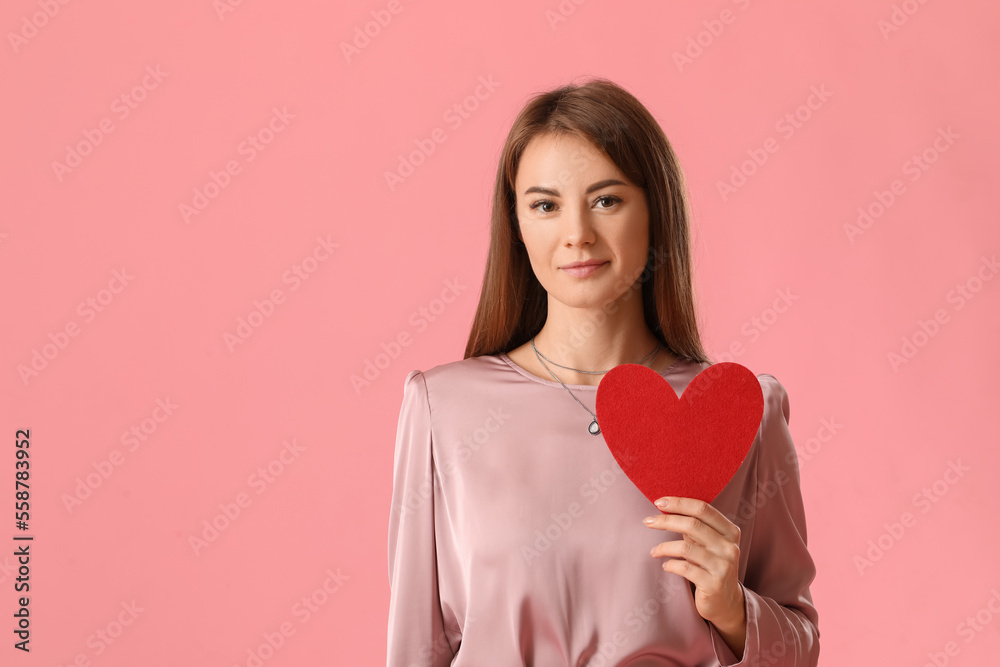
(594, 428)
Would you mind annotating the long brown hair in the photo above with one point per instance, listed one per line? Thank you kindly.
(513, 304)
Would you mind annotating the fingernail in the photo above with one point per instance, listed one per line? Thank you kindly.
(662, 503)
(648, 520)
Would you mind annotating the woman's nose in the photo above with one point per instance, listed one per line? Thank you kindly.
(578, 226)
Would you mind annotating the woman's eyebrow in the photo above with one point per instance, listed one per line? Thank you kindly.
(596, 186)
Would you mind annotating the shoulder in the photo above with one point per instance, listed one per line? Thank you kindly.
(775, 397)
(776, 449)
(471, 369)
(462, 369)
(453, 378)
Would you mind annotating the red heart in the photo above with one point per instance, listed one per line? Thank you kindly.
(689, 446)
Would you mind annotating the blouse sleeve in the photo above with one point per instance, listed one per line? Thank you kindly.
(416, 623)
(782, 623)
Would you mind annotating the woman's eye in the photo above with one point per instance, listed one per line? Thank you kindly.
(610, 201)
(542, 202)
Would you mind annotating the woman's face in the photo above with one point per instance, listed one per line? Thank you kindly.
(573, 205)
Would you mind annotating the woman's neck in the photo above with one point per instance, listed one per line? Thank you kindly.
(590, 354)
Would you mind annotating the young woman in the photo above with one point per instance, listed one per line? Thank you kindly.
(514, 536)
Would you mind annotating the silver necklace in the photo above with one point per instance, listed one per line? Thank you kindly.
(594, 428)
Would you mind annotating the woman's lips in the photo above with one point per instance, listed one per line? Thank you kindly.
(584, 271)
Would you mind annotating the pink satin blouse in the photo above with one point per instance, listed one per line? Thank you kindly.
(516, 539)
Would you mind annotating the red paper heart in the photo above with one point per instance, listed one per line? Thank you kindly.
(689, 446)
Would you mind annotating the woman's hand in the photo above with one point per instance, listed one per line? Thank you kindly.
(708, 557)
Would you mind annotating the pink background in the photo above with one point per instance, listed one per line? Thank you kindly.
(855, 298)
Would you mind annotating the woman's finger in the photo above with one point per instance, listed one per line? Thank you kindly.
(690, 570)
(702, 511)
(692, 529)
(696, 554)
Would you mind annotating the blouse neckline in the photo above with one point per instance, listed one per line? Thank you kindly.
(584, 387)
